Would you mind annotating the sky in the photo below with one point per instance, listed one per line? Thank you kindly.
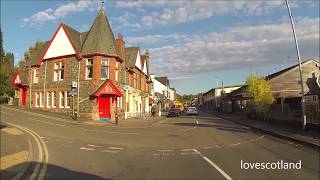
(196, 44)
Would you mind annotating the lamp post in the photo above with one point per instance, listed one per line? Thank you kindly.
(303, 107)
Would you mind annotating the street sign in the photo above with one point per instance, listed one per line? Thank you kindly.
(74, 84)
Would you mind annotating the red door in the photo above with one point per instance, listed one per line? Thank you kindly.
(24, 97)
(104, 107)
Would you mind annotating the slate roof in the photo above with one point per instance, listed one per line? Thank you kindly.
(99, 39)
(131, 56)
(163, 80)
(286, 69)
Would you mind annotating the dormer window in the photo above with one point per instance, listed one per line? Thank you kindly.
(89, 68)
(58, 72)
(105, 68)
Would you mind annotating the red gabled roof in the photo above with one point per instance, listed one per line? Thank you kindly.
(55, 34)
(107, 88)
(15, 78)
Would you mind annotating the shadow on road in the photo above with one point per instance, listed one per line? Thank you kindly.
(53, 172)
(219, 127)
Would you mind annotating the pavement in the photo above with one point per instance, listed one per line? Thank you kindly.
(138, 122)
(185, 147)
(310, 137)
(15, 150)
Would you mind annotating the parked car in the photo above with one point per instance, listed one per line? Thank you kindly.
(191, 111)
(173, 112)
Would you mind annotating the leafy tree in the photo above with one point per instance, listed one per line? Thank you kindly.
(1, 45)
(28, 55)
(6, 73)
(260, 91)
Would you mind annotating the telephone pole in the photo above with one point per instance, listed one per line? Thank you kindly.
(303, 107)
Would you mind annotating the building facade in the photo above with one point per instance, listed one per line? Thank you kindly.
(84, 73)
(137, 90)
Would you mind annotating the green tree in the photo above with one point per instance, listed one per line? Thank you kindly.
(28, 55)
(6, 73)
(260, 91)
(1, 45)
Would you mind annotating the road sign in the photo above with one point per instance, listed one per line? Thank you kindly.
(74, 84)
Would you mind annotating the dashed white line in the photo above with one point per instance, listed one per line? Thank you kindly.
(116, 148)
(87, 149)
(188, 153)
(213, 165)
(109, 151)
(186, 150)
(235, 144)
(165, 150)
(92, 145)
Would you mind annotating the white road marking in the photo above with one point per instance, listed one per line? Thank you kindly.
(46, 122)
(213, 165)
(92, 145)
(164, 154)
(186, 150)
(236, 144)
(109, 151)
(116, 148)
(87, 149)
(254, 140)
(188, 153)
(165, 150)
(42, 151)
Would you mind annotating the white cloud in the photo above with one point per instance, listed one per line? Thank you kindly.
(63, 10)
(168, 12)
(239, 47)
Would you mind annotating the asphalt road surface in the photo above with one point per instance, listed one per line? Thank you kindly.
(186, 147)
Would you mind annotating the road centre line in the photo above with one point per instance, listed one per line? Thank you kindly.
(87, 149)
(92, 145)
(116, 148)
(165, 150)
(46, 122)
(213, 165)
(109, 151)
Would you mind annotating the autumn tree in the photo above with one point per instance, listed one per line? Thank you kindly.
(260, 91)
(28, 55)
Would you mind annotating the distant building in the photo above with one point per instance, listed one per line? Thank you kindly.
(212, 98)
(286, 89)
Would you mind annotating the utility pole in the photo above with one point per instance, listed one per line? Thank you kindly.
(303, 107)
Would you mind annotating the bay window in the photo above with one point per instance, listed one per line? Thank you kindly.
(117, 66)
(105, 68)
(89, 68)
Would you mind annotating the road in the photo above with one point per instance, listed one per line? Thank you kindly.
(186, 147)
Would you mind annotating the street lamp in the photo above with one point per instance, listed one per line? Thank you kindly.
(303, 107)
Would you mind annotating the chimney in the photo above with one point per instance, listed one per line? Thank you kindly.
(120, 44)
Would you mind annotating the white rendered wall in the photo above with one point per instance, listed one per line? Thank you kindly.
(60, 45)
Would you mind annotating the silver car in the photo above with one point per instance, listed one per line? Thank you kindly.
(191, 111)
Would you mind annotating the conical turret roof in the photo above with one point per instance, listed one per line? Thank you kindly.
(100, 38)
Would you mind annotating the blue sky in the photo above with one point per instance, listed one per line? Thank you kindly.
(194, 43)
